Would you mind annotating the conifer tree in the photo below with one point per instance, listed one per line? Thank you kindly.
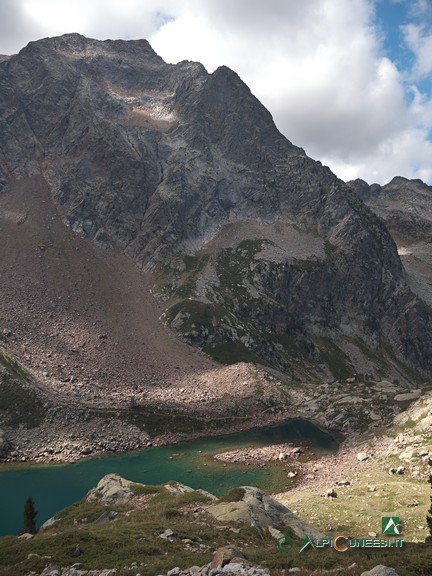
(29, 517)
(429, 516)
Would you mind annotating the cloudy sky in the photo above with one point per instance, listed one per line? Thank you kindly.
(348, 80)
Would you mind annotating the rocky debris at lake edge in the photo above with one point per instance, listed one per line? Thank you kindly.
(68, 435)
(351, 406)
(63, 437)
(68, 425)
(262, 455)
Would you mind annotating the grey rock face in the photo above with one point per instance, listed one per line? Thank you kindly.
(404, 205)
(262, 511)
(165, 161)
(406, 208)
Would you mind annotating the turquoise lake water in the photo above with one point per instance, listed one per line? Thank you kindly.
(54, 487)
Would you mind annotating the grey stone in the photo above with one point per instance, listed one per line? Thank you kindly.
(380, 570)
(275, 532)
(233, 568)
(408, 396)
(223, 556)
(106, 517)
(362, 456)
(111, 489)
(51, 571)
(25, 536)
(76, 551)
(168, 534)
(48, 523)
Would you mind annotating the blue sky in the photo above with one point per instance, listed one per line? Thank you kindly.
(348, 80)
(393, 17)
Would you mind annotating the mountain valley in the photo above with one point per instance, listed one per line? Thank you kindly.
(173, 267)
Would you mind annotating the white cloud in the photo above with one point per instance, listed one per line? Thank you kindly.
(99, 18)
(407, 154)
(420, 43)
(16, 29)
(419, 8)
(319, 66)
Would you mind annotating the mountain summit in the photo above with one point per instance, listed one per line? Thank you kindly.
(258, 252)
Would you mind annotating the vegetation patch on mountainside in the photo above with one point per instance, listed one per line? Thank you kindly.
(20, 403)
(159, 420)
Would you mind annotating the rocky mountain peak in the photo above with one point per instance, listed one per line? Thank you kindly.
(75, 45)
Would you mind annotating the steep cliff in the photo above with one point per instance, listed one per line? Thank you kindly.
(406, 208)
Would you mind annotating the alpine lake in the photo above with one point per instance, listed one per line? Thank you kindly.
(54, 487)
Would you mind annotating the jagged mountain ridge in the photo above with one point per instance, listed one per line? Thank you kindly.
(261, 252)
(406, 208)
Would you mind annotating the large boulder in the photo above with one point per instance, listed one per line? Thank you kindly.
(419, 412)
(111, 489)
(380, 571)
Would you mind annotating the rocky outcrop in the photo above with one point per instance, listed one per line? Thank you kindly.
(111, 489)
(418, 415)
(258, 509)
(187, 173)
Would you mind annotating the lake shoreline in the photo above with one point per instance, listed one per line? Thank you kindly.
(54, 487)
(24, 459)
